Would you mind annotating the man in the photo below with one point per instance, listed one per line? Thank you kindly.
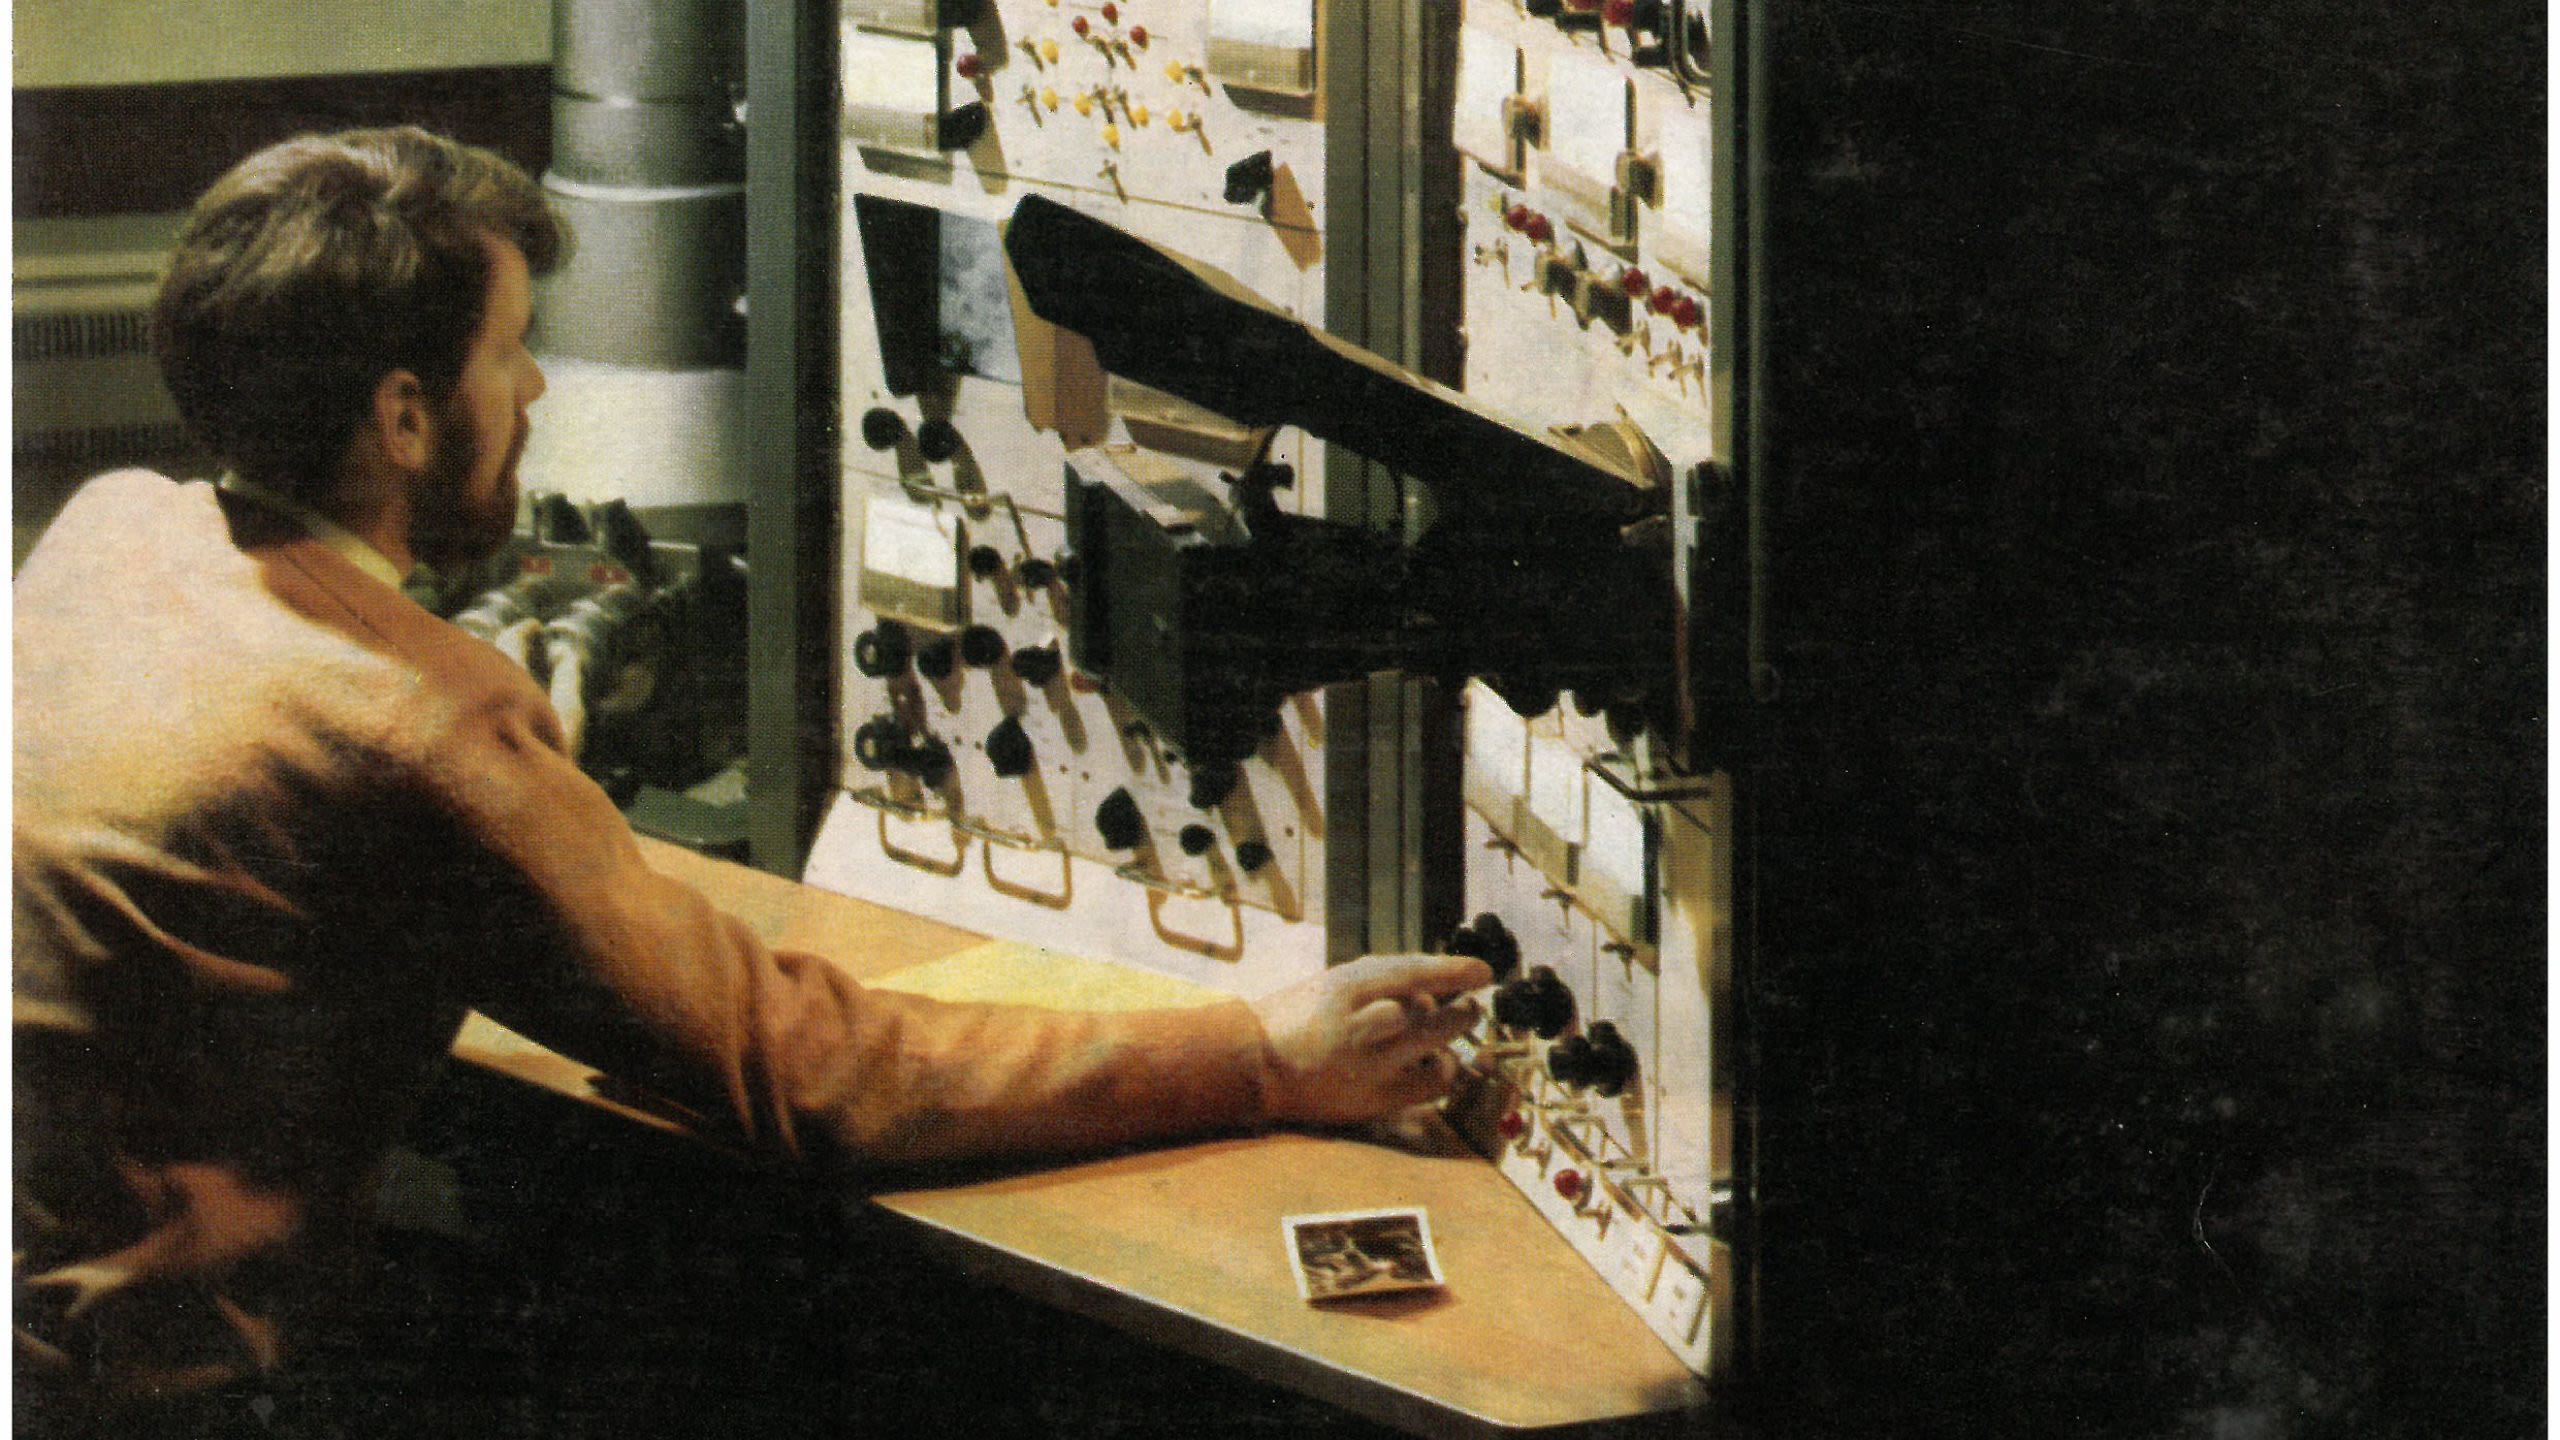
(277, 827)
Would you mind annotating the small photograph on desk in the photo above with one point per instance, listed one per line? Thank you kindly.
(1361, 1252)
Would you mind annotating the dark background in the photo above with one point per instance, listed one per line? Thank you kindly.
(2151, 964)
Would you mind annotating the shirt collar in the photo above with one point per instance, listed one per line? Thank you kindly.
(354, 547)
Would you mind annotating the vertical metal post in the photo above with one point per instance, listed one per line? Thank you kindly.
(1392, 871)
(792, 425)
(1736, 265)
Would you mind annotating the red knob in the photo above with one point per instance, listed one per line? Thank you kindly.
(970, 66)
(1083, 26)
(1110, 14)
(1517, 217)
(1685, 314)
(1569, 1184)
(1512, 1125)
(1619, 12)
(1539, 230)
(1634, 282)
(1138, 36)
(1665, 298)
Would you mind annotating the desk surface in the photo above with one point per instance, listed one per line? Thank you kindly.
(1183, 1244)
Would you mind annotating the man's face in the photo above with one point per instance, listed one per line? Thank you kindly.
(466, 504)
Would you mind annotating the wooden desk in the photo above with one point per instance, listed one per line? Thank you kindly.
(1183, 1244)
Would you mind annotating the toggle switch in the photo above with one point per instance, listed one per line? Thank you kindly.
(1250, 179)
(928, 759)
(1212, 784)
(1038, 665)
(882, 650)
(935, 657)
(939, 440)
(880, 738)
(882, 427)
(1123, 827)
(982, 645)
(1009, 749)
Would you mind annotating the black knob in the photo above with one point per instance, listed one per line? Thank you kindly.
(1648, 15)
(1211, 784)
(556, 520)
(1196, 840)
(1038, 665)
(879, 741)
(882, 427)
(1612, 1061)
(982, 645)
(1490, 941)
(985, 561)
(929, 760)
(1009, 749)
(938, 440)
(1250, 178)
(882, 650)
(1036, 574)
(1252, 855)
(1537, 1001)
(1122, 827)
(934, 657)
(1569, 1061)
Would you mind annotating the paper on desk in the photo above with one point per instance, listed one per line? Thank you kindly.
(1013, 973)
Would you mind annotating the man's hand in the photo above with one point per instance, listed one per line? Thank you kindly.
(1368, 1038)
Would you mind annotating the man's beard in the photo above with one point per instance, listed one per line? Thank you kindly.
(449, 526)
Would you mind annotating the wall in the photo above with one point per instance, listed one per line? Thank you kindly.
(135, 42)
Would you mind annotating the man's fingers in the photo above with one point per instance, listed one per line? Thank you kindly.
(1378, 976)
(1426, 1078)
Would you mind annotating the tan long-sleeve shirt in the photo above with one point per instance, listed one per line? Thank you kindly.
(277, 828)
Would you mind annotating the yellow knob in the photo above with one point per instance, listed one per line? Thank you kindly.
(1138, 114)
(1178, 121)
(1084, 104)
(1049, 98)
(1111, 136)
(1173, 71)
(1049, 48)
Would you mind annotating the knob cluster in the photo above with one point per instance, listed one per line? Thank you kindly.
(1537, 1002)
(1600, 1059)
(1489, 940)
(882, 743)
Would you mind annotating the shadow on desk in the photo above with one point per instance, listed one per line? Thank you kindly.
(612, 1282)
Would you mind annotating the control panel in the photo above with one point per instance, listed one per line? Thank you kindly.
(1093, 595)
(989, 778)
(1600, 839)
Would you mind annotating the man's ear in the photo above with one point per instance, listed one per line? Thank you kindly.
(403, 423)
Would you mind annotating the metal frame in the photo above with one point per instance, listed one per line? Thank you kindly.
(793, 429)
(1739, 364)
(1391, 182)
